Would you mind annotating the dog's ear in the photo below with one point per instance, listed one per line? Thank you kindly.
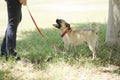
(67, 25)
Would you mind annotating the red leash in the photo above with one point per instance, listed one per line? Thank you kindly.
(34, 22)
(52, 45)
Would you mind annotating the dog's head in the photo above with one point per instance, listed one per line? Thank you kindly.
(61, 24)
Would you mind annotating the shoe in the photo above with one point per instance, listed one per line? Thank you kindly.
(14, 54)
(17, 58)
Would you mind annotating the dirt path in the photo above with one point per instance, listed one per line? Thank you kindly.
(26, 71)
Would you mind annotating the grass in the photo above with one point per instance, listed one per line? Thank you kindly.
(38, 45)
(46, 60)
(42, 62)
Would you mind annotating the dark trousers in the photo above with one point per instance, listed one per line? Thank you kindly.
(14, 17)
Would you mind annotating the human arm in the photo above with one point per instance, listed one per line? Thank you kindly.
(23, 2)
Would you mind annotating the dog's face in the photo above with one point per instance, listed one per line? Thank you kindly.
(61, 24)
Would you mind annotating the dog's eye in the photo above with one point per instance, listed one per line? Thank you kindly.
(60, 22)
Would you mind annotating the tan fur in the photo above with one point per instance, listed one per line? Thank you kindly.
(77, 37)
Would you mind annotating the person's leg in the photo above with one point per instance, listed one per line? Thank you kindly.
(3, 46)
(14, 17)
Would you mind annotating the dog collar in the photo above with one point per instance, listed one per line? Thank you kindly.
(63, 34)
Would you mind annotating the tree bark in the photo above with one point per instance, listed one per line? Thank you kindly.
(113, 26)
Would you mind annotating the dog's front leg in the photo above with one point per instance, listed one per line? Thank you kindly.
(66, 46)
(92, 48)
(73, 48)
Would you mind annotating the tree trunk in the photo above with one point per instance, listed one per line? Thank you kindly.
(113, 26)
(113, 31)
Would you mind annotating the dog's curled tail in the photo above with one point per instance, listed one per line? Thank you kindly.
(95, 26)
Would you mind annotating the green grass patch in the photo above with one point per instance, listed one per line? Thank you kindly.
(37, 50)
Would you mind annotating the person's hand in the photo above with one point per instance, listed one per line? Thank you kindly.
(23, 2)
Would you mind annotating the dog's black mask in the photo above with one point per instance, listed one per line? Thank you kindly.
(59, 21)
